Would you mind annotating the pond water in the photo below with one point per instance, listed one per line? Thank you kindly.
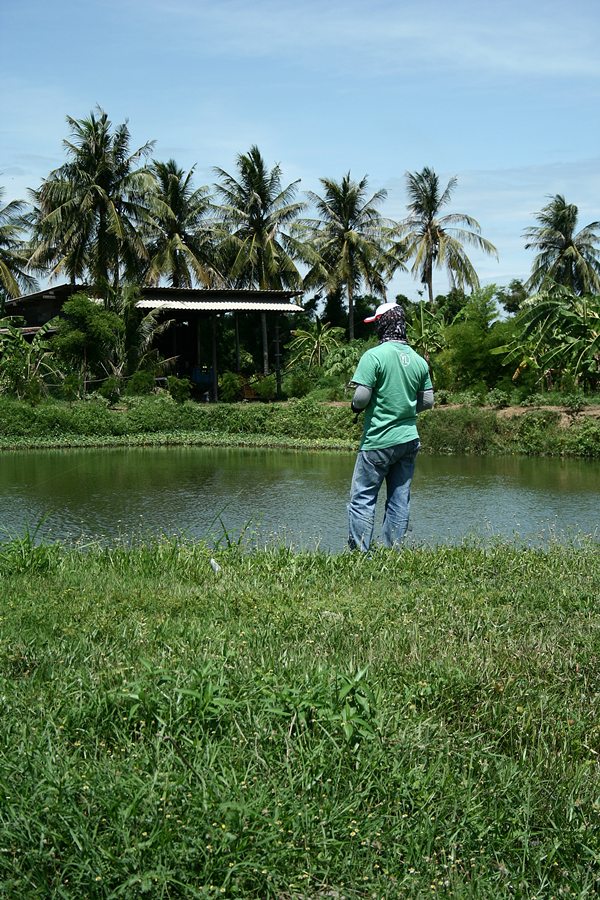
(276, 496)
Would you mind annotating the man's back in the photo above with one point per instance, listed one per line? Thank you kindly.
(396, 374)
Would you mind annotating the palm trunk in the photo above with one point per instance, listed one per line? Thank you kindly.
(350, 312)
(428, 279)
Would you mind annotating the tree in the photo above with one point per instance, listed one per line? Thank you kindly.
(180, 246)
(436, 241)
(513, 296)
(13, 256)
(255, 247)
(347, 240)
(567, 257)
(87, 334)
(88, 212)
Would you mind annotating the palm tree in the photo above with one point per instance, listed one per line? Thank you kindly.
(255, 212)
(566, 257)
(436, 241)
(347, 241)
(255, 247)
(88, 211)
(180, 245)
(13, 256)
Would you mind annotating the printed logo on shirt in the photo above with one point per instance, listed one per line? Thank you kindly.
(405, 359)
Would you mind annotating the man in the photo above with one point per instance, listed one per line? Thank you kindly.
(392, 384)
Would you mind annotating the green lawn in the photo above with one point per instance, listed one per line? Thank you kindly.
(299, 725)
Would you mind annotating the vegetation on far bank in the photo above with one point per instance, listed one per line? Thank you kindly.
(302, 424)
(113, 220)
(284, 725)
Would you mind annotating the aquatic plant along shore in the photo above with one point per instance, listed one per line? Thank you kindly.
(300, 423)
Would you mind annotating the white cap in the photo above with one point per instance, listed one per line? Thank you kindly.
(385, 307)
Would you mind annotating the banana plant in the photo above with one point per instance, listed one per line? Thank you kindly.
(560, 331)
(311, 345)
(426, 333)
(26, 366)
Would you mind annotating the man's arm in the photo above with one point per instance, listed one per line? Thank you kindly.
(361, 398)
(424, 400)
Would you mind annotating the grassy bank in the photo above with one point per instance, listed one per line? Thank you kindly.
(297, 424)
(299, 726)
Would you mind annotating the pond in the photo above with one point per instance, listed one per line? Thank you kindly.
(265, 497)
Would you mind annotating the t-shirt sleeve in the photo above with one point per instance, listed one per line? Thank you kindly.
(366, 371)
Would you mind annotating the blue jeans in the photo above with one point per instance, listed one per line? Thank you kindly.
(395, 464)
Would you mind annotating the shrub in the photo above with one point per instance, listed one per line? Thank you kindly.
(71, 387)
(150, 414)
(583, 438)
(140, 383)
(179, 388)
(110, 389)
(467, 398)
(266, 388)
(459, 431)
(574, 404)
(534, 400)
(311, 419)
(230, 387)
(297, 383)
(497, 398)
(537, 431)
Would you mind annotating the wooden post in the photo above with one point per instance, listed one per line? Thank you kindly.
(263, 317)
(198, 344)
(277, 359)
(237, 342)
(215, 384)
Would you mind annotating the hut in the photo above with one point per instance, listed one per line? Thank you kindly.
(192, 338)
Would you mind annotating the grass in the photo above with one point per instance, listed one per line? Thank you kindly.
(298, 725)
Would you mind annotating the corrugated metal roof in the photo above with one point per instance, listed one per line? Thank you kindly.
(183, 295)
(204, 294)
(218, 306)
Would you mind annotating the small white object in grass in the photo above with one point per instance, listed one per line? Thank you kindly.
(214, 565)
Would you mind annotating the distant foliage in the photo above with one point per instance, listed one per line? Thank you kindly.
(230, 387)
(179, 388)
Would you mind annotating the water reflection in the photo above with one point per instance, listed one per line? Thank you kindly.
(288, 496)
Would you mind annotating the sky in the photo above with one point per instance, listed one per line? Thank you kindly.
(503, 95)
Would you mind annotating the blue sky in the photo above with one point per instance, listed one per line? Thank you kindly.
(503, 95)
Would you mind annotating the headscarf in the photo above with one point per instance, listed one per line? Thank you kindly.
(391, 326)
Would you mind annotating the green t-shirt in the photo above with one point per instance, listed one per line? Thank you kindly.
(396, 373)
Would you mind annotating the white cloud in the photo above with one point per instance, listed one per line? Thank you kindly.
(390, 37)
